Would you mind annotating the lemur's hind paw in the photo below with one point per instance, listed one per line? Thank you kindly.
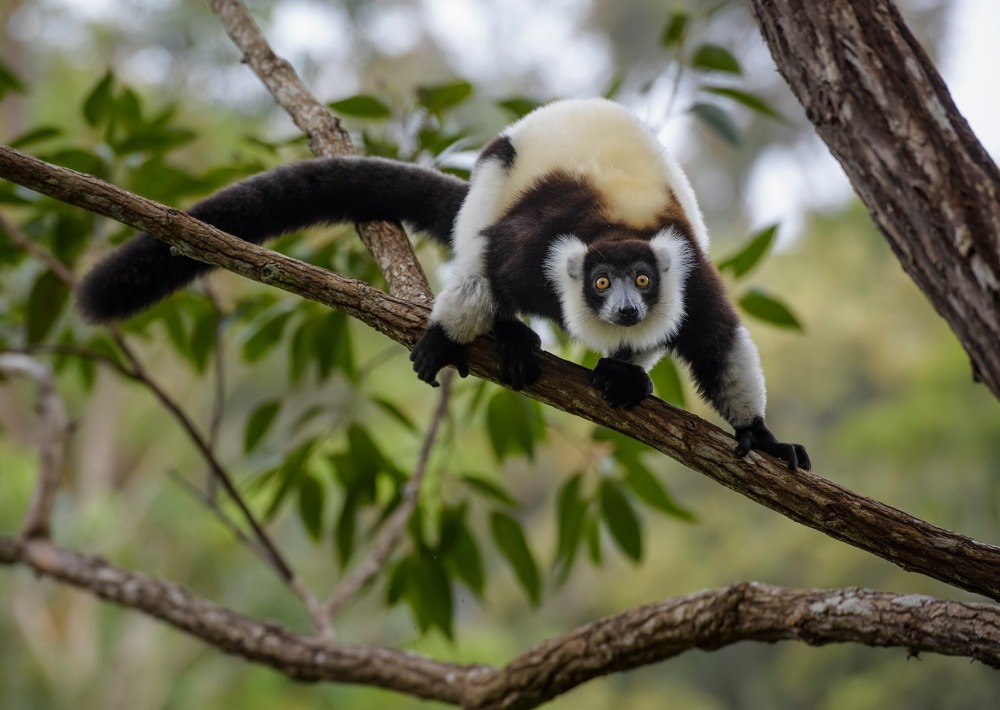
(757, 436)
(435, 350)
(516, 346)
(621, 383)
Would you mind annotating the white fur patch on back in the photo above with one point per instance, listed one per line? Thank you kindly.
(743, 395)
(564, 272)
(613, 150)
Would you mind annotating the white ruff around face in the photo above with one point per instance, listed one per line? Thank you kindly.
(564, 270)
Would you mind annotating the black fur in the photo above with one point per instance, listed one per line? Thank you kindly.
(294, 196)
(621, 383)
(501, 150)
(516, 345)
(757, 436)
(435, 350)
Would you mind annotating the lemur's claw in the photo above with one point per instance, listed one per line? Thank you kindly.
(757, 436)
(435, 350)
(621, 383)
(516, 344)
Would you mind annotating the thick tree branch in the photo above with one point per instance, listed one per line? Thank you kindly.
(706, 620)
(886, 115)
(387, 242)
(909, 542)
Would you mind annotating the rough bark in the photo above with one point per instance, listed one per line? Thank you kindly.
(879, 104)
(707, 620)
(805, 497)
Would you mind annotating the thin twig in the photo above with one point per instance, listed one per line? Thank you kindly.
(394, 527)
(51, 445)
(218, 377)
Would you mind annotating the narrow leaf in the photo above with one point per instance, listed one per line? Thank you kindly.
(45, 304)
(259, 423)
(312, 501)
(362, 105)
(429, 594)
(751, 101)
(510, 541)
(571, 509)
(489, 489)
(519, 106)
(34, 136)
(648, 488)
(712, 57)
(674, 30)
(718, 121)
(750, 254)
(621, 520)
(766, 308)
(667, 381)
(438, 99)
(266, 337)
(99, 101)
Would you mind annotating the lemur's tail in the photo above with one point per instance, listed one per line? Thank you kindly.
(303, 194)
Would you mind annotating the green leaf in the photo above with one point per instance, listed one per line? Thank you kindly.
(288, 476)
(718, 121)
(266, 337)
(513, 424)
(154, 140)
(648, 488)
(259, 423)
(667, 381)
(675, 29)
(438, 99)
(332, 344)
(362, 106)
(203, 339)
(616, 84)
(712, 57)
(394, 412)
(750, 255)
(621, 520)
(312, 501)
(518, 106)
(346, 527)
(751, 101)
(9, 81)
(489, 489)
(572, 509)
(766, 308)
(99, 102)
(34, 136)
(510, 541)
(45, 304)
(466, 563)
(429, 594)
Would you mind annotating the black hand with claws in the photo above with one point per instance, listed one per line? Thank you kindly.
(516, 347)
(621, 383)
(433, 351)
(757, 436)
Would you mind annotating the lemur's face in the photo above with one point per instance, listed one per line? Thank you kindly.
(621, 282)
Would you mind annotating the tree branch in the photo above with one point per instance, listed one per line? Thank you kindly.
(709, 620)
(805, 497)
(385, 241)
(881, 107)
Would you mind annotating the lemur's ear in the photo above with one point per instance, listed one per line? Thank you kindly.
(565, 260)
(671, 251)
(574, 264)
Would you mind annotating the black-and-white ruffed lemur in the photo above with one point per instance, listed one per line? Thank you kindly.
(575, 214)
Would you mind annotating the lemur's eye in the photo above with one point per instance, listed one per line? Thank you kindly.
(602, 283)
(642, 281)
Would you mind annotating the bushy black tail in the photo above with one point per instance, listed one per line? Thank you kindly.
(303, 194)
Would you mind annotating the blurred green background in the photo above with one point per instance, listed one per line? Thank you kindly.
(873, 382)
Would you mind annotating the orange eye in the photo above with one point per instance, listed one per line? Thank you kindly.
(642, 281)
(602, 283)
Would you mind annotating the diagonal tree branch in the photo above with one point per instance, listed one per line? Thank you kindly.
(807, 498)
(708, 620)
(386, 242)
(879, 104)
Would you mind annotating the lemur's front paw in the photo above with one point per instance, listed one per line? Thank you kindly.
(435, 350)
(516, 346)
(757, 436)
(621, 383)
